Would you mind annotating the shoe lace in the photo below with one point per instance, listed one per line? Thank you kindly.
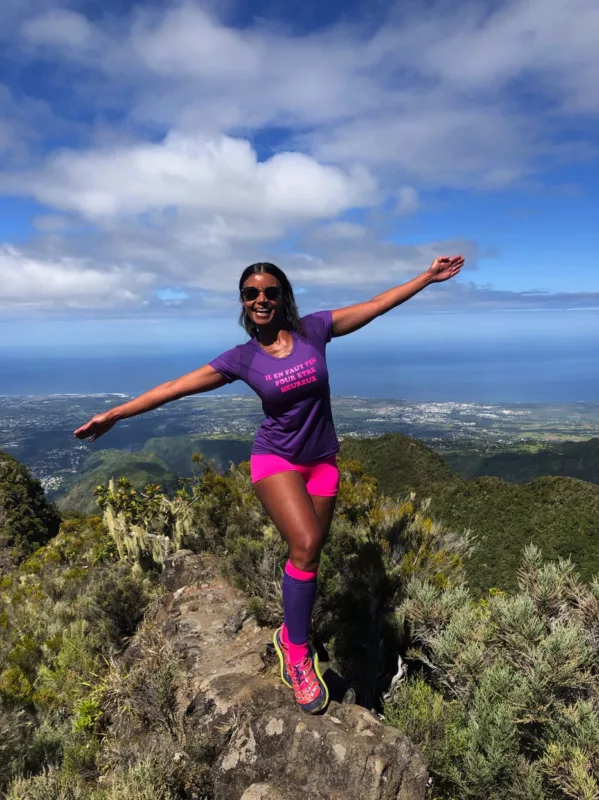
(303, 677)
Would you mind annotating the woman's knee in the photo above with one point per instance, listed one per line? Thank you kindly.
(304, 551)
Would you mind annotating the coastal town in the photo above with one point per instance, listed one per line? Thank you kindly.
(38, 430)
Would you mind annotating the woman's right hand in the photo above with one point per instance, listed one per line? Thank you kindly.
(96, 427)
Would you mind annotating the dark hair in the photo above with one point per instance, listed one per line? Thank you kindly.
(289, 314)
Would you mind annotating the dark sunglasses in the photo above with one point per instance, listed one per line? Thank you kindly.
(252, 293)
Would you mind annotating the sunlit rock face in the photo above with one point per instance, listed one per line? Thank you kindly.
(271, 749)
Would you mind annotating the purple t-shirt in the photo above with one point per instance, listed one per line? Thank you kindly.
(294, 391)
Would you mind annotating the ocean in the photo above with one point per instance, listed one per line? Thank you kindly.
(444, 373)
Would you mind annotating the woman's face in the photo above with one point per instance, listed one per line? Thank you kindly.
(263, 310)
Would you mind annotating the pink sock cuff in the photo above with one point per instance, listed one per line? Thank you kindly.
(299, 574)
(297, 652)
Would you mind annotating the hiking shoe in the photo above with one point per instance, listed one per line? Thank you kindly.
(311, 692)
(283, 654)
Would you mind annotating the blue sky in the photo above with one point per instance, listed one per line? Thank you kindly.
(150, 151)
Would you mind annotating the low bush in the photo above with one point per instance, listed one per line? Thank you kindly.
(142, 695)
(510, 706)
(64, 612)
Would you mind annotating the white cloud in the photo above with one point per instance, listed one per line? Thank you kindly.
(189, 42)
(407, 201)
(339, 231)
(436, 145)
(219, 176)
(470, 95)
(341, 268)
(550, 44)
(58, 27)
(51, 223)
(23, 122)
(433, 93)
(353, 264)
(29, 282)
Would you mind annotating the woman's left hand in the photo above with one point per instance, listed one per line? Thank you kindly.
(445, 267)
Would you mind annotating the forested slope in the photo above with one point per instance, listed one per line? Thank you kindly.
(560, 515)
(140, 469)
(27, 520)
(399, 463)
(177, 451)
(569, 459)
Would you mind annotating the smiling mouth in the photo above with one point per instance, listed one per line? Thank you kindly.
(263, 312)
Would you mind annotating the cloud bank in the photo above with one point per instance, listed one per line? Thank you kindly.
(169, 146)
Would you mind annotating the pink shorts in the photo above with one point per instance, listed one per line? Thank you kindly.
(321, 477)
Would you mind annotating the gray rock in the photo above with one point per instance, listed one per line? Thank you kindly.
(262, 791)
(184, 568)
(272, 749)
(235, 622)
(345, 754)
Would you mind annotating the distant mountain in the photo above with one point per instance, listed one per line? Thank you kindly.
(139, 468)
(400, 463)
(558, 514)
(177, 451)
(570, 459)
(161, 460)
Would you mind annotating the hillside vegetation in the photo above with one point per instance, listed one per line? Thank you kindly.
(501, 690)
(27, 520)
(400, 463)
(139, 469)
(177, 451)
(568, 459)
(162, 460)
(66, 697)
(559, 515)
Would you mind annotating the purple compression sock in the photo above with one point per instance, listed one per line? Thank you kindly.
(299, 593)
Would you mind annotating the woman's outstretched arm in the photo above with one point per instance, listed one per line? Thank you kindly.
(204, 379)
(350, 319)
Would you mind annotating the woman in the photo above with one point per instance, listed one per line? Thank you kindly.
(293, 462)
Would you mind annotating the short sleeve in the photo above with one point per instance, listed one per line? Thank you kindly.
(320, 325)
(228, 364)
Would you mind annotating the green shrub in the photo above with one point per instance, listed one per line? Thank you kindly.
(256, 567)
(143, 695)
(159, 775)
(141, 752)
(50, 785)
(207, 511)
(436, 725)
(15, 687)
(513, 685)
(66, 610)
(15, 737)
(27, 520)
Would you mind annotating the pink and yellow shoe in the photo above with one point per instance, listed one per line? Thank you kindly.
(311, 692)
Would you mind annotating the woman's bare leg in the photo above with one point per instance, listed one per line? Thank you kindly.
(325, 508)
(302, 522)
(298, 519)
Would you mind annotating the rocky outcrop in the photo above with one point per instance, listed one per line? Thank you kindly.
(272, 750)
